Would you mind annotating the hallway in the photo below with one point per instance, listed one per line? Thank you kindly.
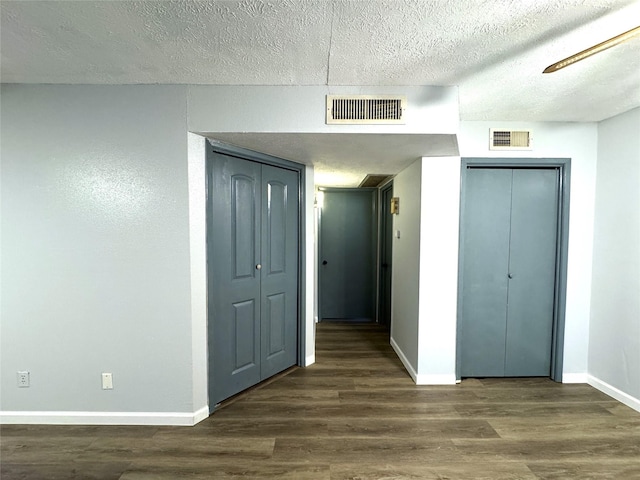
(355, 414)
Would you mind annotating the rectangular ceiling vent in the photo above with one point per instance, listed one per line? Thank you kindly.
(510, 139)
(366, 109)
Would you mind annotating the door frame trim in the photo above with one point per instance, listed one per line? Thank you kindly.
(382, 222)
(246, 154)
(563, 165)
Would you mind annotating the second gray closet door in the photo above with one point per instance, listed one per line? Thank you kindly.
(509, 251)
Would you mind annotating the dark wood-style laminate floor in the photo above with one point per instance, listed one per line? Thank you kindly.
(355, 415)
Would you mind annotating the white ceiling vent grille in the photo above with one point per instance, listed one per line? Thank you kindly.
(510, 139)
(366, 109)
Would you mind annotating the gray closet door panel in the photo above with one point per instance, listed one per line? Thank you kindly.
(234, 286)
(275, 325)
(534, 208)
(486, 247)
(279, 271)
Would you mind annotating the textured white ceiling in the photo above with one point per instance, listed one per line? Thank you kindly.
(494, 50)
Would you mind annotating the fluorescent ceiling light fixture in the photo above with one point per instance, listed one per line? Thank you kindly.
(612, 42)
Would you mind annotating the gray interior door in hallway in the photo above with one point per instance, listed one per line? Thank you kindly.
(253, 272)
(510, 254)
(348, 247)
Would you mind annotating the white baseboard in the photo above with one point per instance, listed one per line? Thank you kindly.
(612, 391)
(423, 379)
(404, 360)
(574, 378)
(200, 415)
(104, 418)
(310, 360)
(439, 379)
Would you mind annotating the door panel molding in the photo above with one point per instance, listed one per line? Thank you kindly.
(276, 323)
(563, 166)
(244, 313)
(243, 191)
(276, 221)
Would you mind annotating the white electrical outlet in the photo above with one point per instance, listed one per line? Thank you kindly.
(107, 381)
(23, 379)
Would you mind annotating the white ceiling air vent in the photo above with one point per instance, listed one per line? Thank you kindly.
(366, 109)
(510, 139)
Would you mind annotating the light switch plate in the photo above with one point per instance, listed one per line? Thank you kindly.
(107, 381)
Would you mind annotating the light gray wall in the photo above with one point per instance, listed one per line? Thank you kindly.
(579, 142)
(198, 262)
(101, 226)
(95, 248)
(303, 109)
(425, 269)
(614, 347)
(311, 267)
(405, 292)
(439, 228)
(103, 234)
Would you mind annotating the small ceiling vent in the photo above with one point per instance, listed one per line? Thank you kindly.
(366, 109)
(373, 180)
(510, 139)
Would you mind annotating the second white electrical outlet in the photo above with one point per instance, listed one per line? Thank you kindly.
(23, 380)
(107, 381)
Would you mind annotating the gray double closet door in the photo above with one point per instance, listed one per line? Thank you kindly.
(510, 229)
(252, 271)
